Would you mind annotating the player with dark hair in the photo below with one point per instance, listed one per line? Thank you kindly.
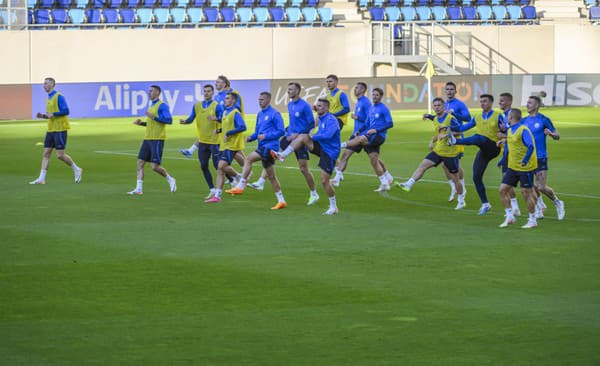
(325, 144)
(157, 117)
(505, 102)
(339, 105)
(57, 114)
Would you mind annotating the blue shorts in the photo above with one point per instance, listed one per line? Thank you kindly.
(266, 158)
(301, 153)
(504, 166)
(326, 163)
(542, 164)
(512, 177)
(450, 163)
(56, 140)
(151, 151)
(227, 155)
(375, 142)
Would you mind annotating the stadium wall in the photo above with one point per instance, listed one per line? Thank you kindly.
(261, 53)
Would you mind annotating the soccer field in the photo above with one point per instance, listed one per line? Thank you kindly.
(91, 276)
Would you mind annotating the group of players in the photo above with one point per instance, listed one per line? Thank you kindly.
(220, 125)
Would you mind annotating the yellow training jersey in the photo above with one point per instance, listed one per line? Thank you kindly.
(517, 151)
(204, 127)
(234, 142)
(335, 105)
(488, 127)
(58, 123)
(440, 146)
(155, 130)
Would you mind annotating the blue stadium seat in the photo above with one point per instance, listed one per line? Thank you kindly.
(31, 4)
(178, 15)
(424, 12)
(378, 3)
(76, 15)
(131, 3)
(422, 2)
(115, 4)
(81, 4)
(594, 13)
(529, 12)
(244, 15)
(393, 2)
(247, 3)
(310, 15)
(162, 15)
(60, 16)
(277, 14)
(231, 3)
(30, 16)
(296, 3)
(514, 12)
(64, 4)
(93, 16)
(589, 2)
(166, 3)
(524, 2)
(111, 15)
(228, 14)
(408, 2)
(377, 14)
(42, 16)
(483, 2)
(195, 15)
(439, 13)
(363, 4)
(5, 18)
(182, 3)
(409, 13)
(293, 15)
(144, 15)
(264, 3)
(280, 3)
(500, 12)
(146, 3)
(453, 3)
(496, 2)
(211, 15)
(261, 15)
(326, 15)
(313, 3)
(127, 15)
(469, 13)
(99, 4)
(438, 3)
(46, 4)
(198, 3)
(392, 13)
(214, 3)
(484, 12)
(454, 13)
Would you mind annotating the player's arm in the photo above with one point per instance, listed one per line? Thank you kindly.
(466, 126)
(388, 123)
(190, 118)
(327, 132)
(527, 139)
(345, 105)
(239, 125)
(63, 108)
(310, 118)
(164, 116)
(504, 153)
(550, 130)
(277, 129)
(254, 136)
(455, 125)
(462, 113)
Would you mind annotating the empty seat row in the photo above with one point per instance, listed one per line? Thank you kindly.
(589, 3)
(594, 14)
(382, 3)
(83, 4)
(126, 16)
(440, 13)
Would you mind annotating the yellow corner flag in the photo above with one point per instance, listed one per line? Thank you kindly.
(429, 71)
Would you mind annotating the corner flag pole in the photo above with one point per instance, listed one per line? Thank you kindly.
(428, 71)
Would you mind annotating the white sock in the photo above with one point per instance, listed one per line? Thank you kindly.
(279, 196)
(260, 181)
(382, 179)
(43, 174)
(532, 217)
(461, 197)
(508, 212)
(514, 204)
(242, 183)
(540, 201)
(169, 178)
(344, 144)
(74, 167)
(462, 183)
(410, 182)
(218, 193)
(314, 193)
(139, 184)
(388, 175)
(288, 150)
(338, 172)
(332, 203)
(193, 148)
(556, 201)
(452, 185)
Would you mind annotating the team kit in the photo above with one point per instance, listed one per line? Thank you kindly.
(516, 138)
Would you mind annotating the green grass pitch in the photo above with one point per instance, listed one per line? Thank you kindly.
(91, 276)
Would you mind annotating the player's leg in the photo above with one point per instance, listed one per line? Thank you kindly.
(542, 186)
(60, 144)
(191, 150)
(259, 184)
(139, 171)
(303, 157)
(505, 189)
(388, 176)
(480, 164)
(246, 171)
(204, 156)
(41, 179)
(269, 168)
(223, 164)
(530, 200)
(302, 140)
(156, 161)
(342, 164)
(431, 160)
(328, 187)
(383, 181)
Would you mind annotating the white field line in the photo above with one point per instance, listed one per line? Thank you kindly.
(133, 153)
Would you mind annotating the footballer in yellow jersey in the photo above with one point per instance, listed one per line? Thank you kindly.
(57, 113)
(157, 117)
(339, 105)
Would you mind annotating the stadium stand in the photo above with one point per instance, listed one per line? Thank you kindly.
(594, 14)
